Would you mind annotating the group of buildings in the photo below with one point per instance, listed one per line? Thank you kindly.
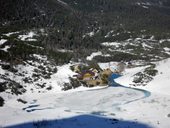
(95, 77)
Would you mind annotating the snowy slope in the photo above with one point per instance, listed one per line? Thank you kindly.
(160, 83)
(118, 107)
(113, 106)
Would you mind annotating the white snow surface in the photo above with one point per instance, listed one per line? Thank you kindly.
(5, 49)
(10, 33)
(93, 55)
(167, 49)
(28, 37)
(2, 41)
(91, 34)
(116, 44)
(160, 83)
(94, 107)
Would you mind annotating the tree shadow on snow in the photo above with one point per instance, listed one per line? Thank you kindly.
(82, 121)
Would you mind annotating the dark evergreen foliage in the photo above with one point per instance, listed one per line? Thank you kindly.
(1, 101)
(67, 24)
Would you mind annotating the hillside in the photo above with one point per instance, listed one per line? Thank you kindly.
(118, 107)
(162, 78)
(44, 44)
(64, 31)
